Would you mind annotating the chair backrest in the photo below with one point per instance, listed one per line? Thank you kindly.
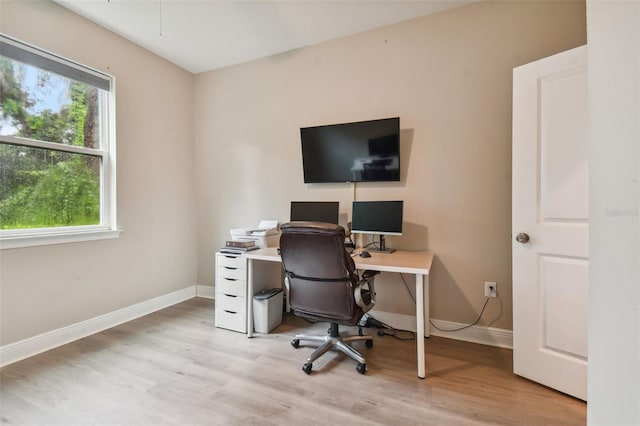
(321, 274)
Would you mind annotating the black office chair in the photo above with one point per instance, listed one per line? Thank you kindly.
(323, 285)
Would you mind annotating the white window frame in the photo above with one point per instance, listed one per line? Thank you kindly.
(17, 238)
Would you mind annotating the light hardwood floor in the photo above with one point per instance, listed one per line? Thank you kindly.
(175, 367)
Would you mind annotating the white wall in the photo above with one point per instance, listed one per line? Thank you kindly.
(448, 77)
(614, 292)
(50, 287)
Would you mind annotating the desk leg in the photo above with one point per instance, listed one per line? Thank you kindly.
(426, 304)
(420, 310)
(249, 297)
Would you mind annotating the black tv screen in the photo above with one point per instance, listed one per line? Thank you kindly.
(364, 151)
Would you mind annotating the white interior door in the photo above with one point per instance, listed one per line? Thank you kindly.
(551, 221)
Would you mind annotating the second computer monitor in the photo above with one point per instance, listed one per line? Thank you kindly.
(377, 217)
(315, 211)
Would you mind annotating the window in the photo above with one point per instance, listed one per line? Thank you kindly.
(57, 149)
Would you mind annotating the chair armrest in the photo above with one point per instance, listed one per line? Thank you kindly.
(361, 294)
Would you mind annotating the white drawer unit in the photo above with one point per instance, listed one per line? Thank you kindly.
(231, 292)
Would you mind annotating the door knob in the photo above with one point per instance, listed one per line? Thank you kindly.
(522, 238)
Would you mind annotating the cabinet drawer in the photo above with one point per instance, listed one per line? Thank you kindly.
(236, 321)
(229, 302)
(232, 274)
(229, 261)
(225, 285)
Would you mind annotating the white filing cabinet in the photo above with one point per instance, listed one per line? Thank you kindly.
(231, 292)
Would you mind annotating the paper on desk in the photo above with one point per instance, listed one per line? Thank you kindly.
(268, 224)
(265, 228)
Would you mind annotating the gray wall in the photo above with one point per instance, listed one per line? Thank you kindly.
(614, 290)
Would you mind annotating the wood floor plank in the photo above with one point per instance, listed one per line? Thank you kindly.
(174, 367)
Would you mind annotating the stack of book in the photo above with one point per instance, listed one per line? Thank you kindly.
(238, 246)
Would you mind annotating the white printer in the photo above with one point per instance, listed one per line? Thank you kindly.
(266, 234)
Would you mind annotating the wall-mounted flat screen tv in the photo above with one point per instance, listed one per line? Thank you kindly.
(363, 151)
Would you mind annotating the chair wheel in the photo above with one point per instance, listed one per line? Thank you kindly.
(295, 343)
(368, 343)
(361, 368)
(307, 367)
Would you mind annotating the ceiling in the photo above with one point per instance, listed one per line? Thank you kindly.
(202, 35)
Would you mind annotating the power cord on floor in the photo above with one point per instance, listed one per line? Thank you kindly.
(465, 326)
(453, 329)
(385, 329)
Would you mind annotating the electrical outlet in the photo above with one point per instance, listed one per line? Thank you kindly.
(490, 289)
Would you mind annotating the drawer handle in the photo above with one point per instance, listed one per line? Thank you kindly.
(229, 267)
(230, 312)
(230, 279)
(231, 257)
(230, 295)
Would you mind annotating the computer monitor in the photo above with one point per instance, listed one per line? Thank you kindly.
(315, 211)
(377, 217)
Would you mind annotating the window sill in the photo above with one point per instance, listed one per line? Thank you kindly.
(23, 241)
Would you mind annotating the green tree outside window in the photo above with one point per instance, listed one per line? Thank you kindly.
(42, 187)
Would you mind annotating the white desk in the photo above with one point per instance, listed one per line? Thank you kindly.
(408, 262)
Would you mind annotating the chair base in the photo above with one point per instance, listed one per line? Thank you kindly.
(333, 341)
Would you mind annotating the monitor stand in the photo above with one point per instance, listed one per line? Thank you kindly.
(383, 247)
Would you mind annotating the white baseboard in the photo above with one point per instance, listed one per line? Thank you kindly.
(475, 334)
(17, 351)
(397, 321)
(491, 336)
(206, 291)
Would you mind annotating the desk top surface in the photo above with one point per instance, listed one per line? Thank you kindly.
(410, 262)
